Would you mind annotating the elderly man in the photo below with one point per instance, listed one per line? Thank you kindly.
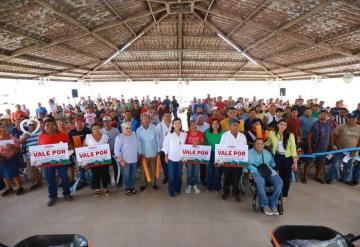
(149, 146)
(346, 136)
(164, 128)
(232, 175)
(259, 160)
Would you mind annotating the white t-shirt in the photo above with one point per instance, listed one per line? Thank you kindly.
(280, 147)
(90, 140)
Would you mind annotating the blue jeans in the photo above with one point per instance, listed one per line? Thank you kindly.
(50, 174)
(192, 172)
(129, 175)
(175, 110)
(213, 181)
(334, 171)
(174, 177)
(277, 184)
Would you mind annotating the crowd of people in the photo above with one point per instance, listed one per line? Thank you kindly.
(141, 132)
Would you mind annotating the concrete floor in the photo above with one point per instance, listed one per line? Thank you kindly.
(152, 218)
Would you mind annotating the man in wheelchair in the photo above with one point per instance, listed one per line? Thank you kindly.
(261, 170)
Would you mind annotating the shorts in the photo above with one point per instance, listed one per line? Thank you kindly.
(10, 168)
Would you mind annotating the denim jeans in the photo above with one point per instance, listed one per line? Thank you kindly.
(192, 172)
(348, 173)
(213, 181)
(50, 174)
(174, 176)
(277, 184)
(129, 175)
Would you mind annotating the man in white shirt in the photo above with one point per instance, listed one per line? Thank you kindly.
(232, 174)
(164, 128)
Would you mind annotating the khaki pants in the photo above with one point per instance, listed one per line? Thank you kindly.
(34, 172)
(151, 162)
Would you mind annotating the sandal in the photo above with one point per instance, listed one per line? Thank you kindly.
(97, 193)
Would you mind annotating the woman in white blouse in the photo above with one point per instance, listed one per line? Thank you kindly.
(171, 148)
(100, 173)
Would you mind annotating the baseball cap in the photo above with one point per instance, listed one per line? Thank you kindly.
(233, 121)
(3, 117)
(351, 115)
(107, 118)
(214, 108)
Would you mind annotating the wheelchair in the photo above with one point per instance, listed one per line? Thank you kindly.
(248, 184)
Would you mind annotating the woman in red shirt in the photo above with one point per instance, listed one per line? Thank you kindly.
(51, 135)
(194, 138)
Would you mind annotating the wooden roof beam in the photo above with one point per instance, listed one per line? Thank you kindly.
(151, 10)
(180, 44)
(207, 12)
(112, 8)
(219, 32)
(142, 32)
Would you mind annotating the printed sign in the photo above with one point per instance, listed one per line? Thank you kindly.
(93, 155)
(231, 155)
(199, 153)
(49, 155)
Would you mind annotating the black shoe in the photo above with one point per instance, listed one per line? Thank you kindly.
(60, 185)
(142, 188)
(69, 198)
(237, 198)
(355, 183)
(165, 180)
(51, 202)
(7, 192)
(155, 187)
(133, 191)
(20, 191)
(304, 180)
(80, 186)
(224, 196)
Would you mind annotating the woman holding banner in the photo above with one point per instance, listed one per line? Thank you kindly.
(100, 172)
(213, 137)
(172, 147)
(283, 147)
(194, 138)
(9, 162)
(126, 151)
(52, 136)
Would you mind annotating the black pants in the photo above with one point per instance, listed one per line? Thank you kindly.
(203, 173)
(232, 177)
(163, 164)
(116, 171)
(283, 165)
(100, 174)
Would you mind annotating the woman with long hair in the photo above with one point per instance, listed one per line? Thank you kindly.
(171, 147)
(283, 147)
(213, 137)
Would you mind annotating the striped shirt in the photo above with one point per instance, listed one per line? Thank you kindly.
(32, 140)
(339, 120)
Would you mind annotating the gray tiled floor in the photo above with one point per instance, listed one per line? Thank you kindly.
(152, 218)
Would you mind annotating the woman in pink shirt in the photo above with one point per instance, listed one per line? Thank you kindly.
(9, 162)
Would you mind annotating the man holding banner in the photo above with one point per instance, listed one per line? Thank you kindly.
(53, 136)
(149, 146)
(232, 174)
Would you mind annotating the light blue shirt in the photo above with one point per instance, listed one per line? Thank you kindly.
(126, 147)
(256, 159)
(149, 143)
(306, 124)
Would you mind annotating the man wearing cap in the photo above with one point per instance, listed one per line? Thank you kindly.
(346, 136)
(319, 139)
(232, 175)
(77, 137)
(112, 133)
(149, 146)
(5, 121)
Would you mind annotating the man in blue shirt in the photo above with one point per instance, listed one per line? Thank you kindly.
(149, 146)
(257, 156)
(41, 111)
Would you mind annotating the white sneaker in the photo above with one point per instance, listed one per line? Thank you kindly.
(275, 211)
(188, 189)
(267, 210)
(197, 189)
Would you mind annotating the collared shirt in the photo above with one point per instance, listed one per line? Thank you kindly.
(112, 134)
(203, 127)
(229, 139)
(306, 124)
(127, 147)
(172, 144)
(164, 131)
(256, 159)
(148, 141)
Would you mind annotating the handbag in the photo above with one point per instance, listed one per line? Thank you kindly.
(264, 170)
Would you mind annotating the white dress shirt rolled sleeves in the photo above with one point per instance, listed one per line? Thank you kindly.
(229, 139)
(126, 147)
(164, 131)
(172, 144)
(148, 141)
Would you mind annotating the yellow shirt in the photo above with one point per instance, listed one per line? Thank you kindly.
(274, 139)
(225, 125)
